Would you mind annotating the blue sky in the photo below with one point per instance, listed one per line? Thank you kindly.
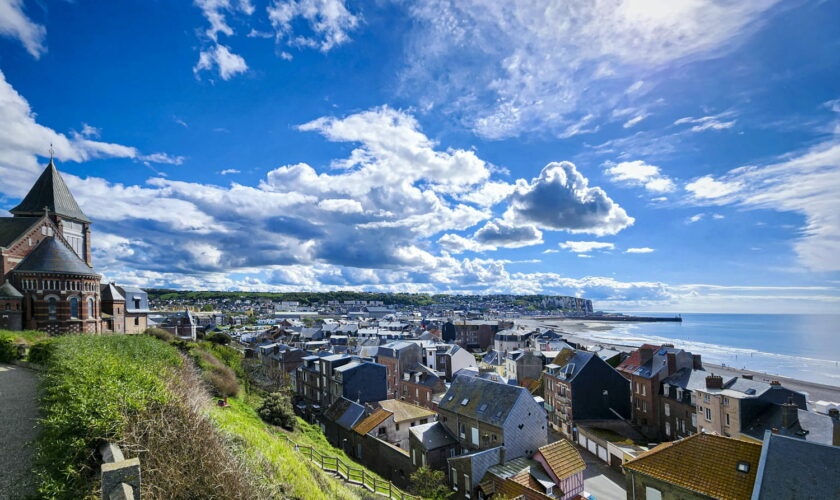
(661, 156)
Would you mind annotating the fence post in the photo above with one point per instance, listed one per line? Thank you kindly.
(120, 477)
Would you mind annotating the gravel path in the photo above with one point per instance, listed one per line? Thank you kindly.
(18, 413)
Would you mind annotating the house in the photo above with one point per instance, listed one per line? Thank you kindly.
(449, 358)
(136, 308)
(280, 361)
(473, 334)
(398, 357)
(511, 340)
(564, 465)
(794, 468)
(392, 421)
(701, 466)
(645, 368)
(326, 367)
(181, 324)
(491, 422)
(554, 472)
(729, 405)
(11, 314)
(359, 381)
(578, 386)
(677, 403)
(431, 445)
(338, 420)
(790, 420)
(522, 365)
(422, 386)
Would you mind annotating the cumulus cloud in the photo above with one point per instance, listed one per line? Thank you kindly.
(560, 199)
(640, 250)
(220, 57)
(584, 247)
(707, 188)
(501, 234)
(510, 67)
(329, 22)
(14, 23)
(639, 173)
(229, 171)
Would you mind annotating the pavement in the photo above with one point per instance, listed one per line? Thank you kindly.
(600, 480)
(18, 427)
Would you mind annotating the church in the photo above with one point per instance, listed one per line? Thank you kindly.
(47, 279)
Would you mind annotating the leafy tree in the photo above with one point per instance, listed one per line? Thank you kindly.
(207, 307)
(219, 338)
(276, 409)
(429, 484)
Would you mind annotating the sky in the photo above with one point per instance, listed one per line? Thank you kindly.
(675, 156)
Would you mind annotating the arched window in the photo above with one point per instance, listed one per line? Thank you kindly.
(74, 307)
(52, 308)
(90, 308)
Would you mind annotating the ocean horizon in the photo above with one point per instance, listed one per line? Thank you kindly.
(800, 346)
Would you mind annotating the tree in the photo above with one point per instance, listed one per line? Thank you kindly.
(430, 484)
(207, 308)
(277, 409)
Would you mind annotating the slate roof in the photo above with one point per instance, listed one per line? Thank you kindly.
(703, 463)
(372, 420)
(571, 363)
(428, 377)
(405, 411)
(345, 413)
(53, 256)
(688, 379)
(12, 227)
(130, 293)
(650, 368)
(562, 458)
(7, 291)
(809, 426)
(484, 400)
(110, 292)
(793, 468)
(50, 191)
(432, 435)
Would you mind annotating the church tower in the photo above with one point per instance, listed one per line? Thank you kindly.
(51, 193)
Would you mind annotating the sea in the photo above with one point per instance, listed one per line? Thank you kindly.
(799, 346)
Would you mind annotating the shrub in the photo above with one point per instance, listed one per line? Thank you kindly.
(219, 338)
(160, 333)
(276, 409)
(429, 484)
(8, 349)
(221, 377)
(41, 352)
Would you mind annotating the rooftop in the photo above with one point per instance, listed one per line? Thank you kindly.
(405, 411)
(562, 458)
(50, 192)
(53, 256)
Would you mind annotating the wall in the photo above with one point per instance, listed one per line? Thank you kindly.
(636, 488)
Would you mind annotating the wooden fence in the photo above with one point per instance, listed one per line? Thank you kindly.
(352, 475)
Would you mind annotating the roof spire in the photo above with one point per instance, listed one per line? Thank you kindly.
(52, 152)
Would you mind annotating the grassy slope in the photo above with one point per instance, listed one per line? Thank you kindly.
(283, 465)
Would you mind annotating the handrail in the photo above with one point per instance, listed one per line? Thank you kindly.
(352, 475)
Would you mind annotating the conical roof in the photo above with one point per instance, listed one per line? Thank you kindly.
(51, 192)
(7, 291)
(53, 256)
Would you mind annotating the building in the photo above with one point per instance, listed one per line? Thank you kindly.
(398, 357)
(359, 381)
(422, 386)
(564, 465)
(392, 421)
(646, 367)
(793, 468)
(511, 340)
(449, 358)
(677, 403)
(729, 405)
(431, 445)
(280, 361)
(578, 386)
(792, 421)
(701, 466)
(47, 280)
(523, 366)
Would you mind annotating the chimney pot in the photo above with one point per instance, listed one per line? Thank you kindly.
(834, 413)
(775, 382)
(774, 430)
(789, 414)
(714, 382)
(696, 363)
(747, 376)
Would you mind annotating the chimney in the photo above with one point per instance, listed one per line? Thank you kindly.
(774, 430)
(789, 415)
(668, 345)
(672, 362)
(695, 362)
(747, 376)
(775, 382)
(714, 382)
(834, 413)
(645, 354)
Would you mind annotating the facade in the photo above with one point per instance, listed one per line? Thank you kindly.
(677, 403)
(430, 445)
(511, 340)
(578, 385)
(646, 367)
(359, 381)
(523, 366)
(450, 358)
(421, 386)
(47, 281)
(398, 357)
(701, 466)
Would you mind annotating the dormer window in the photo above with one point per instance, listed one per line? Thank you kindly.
(465, 401)
(743, 467)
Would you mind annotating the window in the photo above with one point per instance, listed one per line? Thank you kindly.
(705, 398)
(397, 426)
(462, 430)
(90, 311)
(644, 390)
(137, 303)
(667, 410)
(467, 485)
(414, 456)
(52, 308)
(652, 493)
(74, 307)
(743, 467)
(454, 479)
(475, 435)
(668, 429)
(644, 406)
(679, 394)
(727, 419)
(725, 401)
(694, 420)
(708, 414)
(137, 321)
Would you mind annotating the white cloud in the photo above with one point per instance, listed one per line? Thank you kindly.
(718, 216)
(499, 233)
(584, 247)
(90, 131)
(15, 24)
(488, 194)
(229, 171)
(329, 22)
(551, 250)
(707, 187)
(344, 206)
(560, 199)
(695, 218)
(639, 250)
(632, 122)
(639, 173)
(712, 122)
(509, 67)
(220, 57)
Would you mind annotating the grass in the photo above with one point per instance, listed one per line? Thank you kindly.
(9, 341)
(281, 465)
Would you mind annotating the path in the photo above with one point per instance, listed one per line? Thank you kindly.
(18, 413)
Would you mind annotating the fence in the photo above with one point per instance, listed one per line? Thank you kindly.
(352, 475)
(120, 477)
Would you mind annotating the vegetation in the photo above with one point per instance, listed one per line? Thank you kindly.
(219, 338)
(160, 333)
(307, 298)
(276, 409)
(429, 484)
(10, 340)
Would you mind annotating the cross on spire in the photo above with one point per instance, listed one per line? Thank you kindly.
(52, 151)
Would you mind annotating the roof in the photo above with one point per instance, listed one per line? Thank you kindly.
(651, 367)
(432, 435)
(371, 421)
(562, 458)
(110, 292)
(405, 411)
(810, 426)
(345, 413)
(484, 400)
(53, 256)
(703, 463)
(571, 362)
(12, 227)
(7, 291)
(51, 192)
(688, 379)
(793, 468)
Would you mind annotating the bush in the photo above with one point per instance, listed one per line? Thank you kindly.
(160, 333)
(276, 409)
(8, 349)
(221, 377)
(219, 338)
(429, 484)
(41, 352)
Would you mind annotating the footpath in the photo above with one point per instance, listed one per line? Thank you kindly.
(18, 427)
